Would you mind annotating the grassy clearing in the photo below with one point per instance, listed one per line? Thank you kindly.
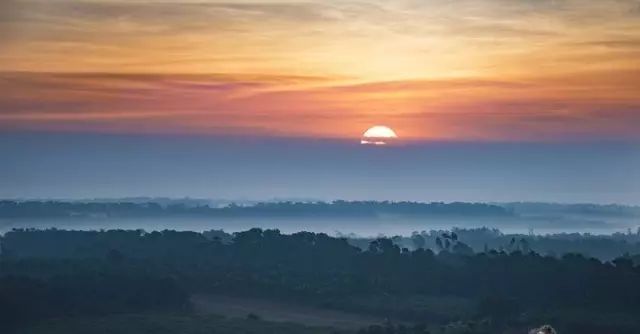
(280, 312)
(170, 324)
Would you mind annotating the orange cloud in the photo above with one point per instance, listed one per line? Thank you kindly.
(577, 106)
(491, 70)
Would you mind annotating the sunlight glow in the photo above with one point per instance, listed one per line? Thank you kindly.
(378, 135)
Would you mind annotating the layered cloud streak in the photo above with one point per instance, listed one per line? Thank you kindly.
(469, 70)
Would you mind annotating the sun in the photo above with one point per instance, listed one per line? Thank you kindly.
(378, 135)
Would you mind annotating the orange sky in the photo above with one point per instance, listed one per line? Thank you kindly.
(463, 70)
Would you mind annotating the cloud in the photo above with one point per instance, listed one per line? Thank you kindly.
(629, 43)
(575, 108)
(517, 69)
(157, 17)
(374, 40)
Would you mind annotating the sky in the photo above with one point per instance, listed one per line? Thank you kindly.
(534, 74)
(82, 165)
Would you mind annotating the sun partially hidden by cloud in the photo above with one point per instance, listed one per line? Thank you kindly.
(464, 70)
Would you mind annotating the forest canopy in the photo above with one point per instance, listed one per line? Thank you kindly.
(159, 270)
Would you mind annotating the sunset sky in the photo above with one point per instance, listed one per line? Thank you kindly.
(494, 100)
(494, 70)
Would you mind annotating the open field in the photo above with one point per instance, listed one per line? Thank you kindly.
(280, 312)
(167, 324)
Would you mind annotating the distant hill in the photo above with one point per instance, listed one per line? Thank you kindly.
(586, 209)
(61, 209)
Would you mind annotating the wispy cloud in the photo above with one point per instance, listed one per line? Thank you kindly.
(575, 107)
(434, 69)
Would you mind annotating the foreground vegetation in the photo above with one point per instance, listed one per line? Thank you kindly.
(55, 274)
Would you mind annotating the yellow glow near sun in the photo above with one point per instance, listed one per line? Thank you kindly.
(378, 135)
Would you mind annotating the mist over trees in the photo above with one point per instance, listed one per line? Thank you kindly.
(153, 207)
(59, 209)
(603, 247)
(474, 280)
(367, 218)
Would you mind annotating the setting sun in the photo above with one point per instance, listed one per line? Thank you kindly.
(378, 135)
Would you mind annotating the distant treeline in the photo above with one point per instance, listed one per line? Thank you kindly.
(514, 288)
(603, 247)
(59, 209)
(594, 210)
